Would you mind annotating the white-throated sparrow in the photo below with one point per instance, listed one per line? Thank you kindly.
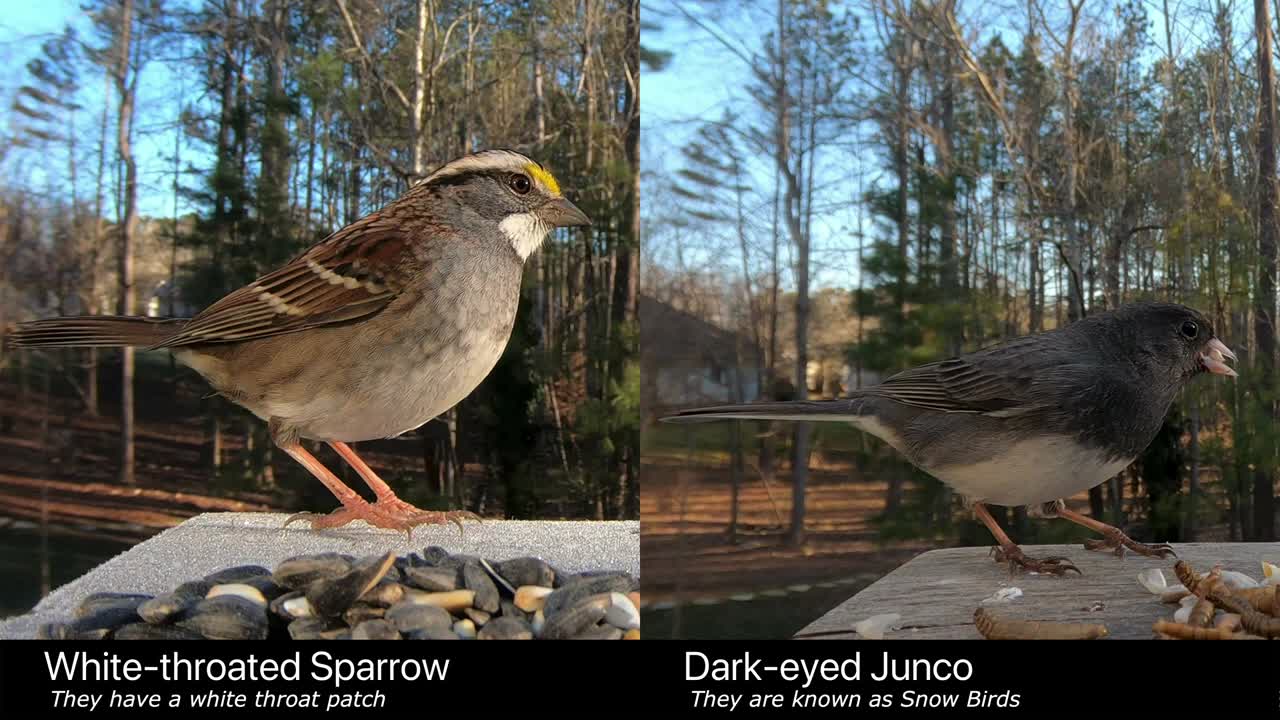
(371, 332)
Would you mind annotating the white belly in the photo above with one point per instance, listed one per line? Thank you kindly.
(1032, 472)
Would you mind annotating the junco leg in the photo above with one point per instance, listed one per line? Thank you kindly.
(1011, 552)
(1114, 539)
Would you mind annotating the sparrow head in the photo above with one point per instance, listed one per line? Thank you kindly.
(1174, 338)
(509, 191)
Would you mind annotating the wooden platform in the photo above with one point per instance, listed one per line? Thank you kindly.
(937, 592)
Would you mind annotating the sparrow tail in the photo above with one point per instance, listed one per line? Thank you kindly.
(94, 331)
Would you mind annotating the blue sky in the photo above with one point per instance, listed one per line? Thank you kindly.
(703, 79)
(23, 28)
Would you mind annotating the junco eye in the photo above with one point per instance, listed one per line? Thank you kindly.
(1190, 330)
(520, 184)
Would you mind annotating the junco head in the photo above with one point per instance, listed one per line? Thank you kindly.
(1177, 339)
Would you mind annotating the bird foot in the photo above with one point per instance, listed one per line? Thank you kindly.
(1116, 541)
(390, 513)
(1013, 554)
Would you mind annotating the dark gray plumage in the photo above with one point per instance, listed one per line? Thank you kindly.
(1034, 419)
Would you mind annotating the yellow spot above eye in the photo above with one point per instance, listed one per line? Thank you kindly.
(547, 179)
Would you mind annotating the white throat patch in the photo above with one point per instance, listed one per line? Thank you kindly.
(526, 232)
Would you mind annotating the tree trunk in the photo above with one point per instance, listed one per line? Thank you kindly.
(1264, 527)
(126, 87)
(419, 86)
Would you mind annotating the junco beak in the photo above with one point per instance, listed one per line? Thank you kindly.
(1212, 358)
(562, 213)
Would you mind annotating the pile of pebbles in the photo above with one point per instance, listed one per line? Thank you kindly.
(332, 596)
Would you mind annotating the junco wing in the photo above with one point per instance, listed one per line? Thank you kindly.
(1016, 378)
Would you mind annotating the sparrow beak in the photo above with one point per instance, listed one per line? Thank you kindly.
(1214, 356)
(562, 213)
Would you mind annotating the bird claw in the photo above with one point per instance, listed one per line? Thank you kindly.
(1054, 565)
(1118, 542)
(389, 513)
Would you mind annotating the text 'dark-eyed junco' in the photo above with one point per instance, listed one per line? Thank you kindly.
(1032, 420)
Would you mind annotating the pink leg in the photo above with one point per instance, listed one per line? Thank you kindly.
(388, 511)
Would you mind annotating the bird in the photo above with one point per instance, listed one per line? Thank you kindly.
(1032, 420)
(370, 332)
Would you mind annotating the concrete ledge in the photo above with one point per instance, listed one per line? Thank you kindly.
(214, 541)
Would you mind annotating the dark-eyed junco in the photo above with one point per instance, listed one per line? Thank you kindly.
(1032, 420)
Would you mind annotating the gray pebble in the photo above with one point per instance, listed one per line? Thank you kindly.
(580, 587)
(375, 630)
(432, 633)
(384, 594)
(147, 631)
(267, 586)
(194, 589)
(227, 617)
(432, 579)
(105, 617)
(278, 605)
(408, 617)
(506, 628)
(600, 632)
(580, 616)
(433, 555)
(476, 578)
(68, 631)
(166, 608)
(298, 572)
(238, 574)
(332, 596)
(509, 609)
(312, 628)
(360, 612)
(526, 571)
(99, 601)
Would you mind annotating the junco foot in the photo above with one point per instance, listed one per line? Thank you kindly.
(1031, 420)
(371, 332)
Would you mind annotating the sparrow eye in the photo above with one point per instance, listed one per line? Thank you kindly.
(1189, 330)
(520, 184)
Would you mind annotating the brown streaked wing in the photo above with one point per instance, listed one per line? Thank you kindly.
(334, 281)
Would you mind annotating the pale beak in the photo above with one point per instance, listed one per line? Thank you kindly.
(1214, 356)
(562, 213)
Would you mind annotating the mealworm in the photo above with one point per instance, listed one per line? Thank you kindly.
(1180, 631)
(1263, 599)
(993, 628)
(1202, 614)
(1193, 581)
(1252, 620)
(1228, 621)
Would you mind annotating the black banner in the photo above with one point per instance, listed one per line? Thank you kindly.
(695, 679)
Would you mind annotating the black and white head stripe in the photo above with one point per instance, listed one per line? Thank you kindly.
(488, 161)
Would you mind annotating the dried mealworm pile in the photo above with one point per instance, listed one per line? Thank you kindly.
(1219, 605)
